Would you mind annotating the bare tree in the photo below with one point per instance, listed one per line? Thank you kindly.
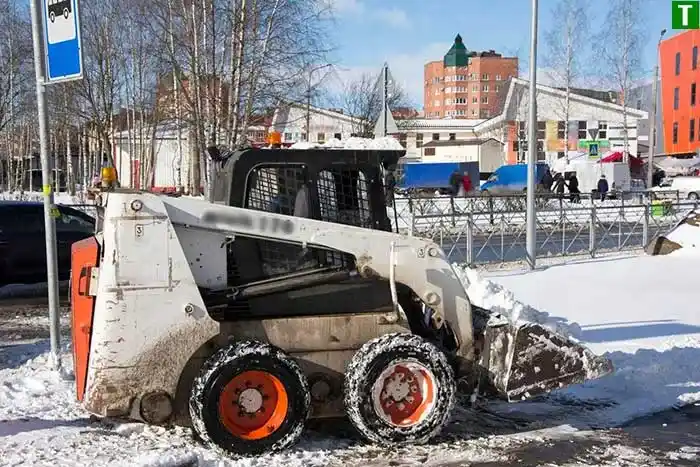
(565, 44)
(622, 39)
(362, 98)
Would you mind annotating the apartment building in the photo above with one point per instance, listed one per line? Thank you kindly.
(466, 84)
(680, 77)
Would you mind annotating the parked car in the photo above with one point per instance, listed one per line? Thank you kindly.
(682, 187)
(23, 245)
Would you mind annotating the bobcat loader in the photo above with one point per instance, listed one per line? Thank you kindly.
(286, 298)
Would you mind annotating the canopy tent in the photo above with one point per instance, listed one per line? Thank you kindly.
(616, 156)
(673, 166)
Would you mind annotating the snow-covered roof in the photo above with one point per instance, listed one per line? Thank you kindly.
(386, 143)
(315, 110)
(438, 123)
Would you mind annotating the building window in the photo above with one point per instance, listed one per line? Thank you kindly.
(498, 77)
(678, 63)
(475, 100)
(429, 152)
(560, 155)
(693, 91)
(639, 104)
(461, 100)
(541, 155)
(675, 132)
(485, 100)
(321, 138)
(561, 130)
(484, 113)
(453, 136)
(419, 140)
(498, 88)
(303, 137)
(695, 57)
(402, 139)
(475, 88)
(485, 77)
(676, 98)
(541, 129)
(602, 130)
(287, 136)
(436, 136)
(582, 129)
(485, 88)
(473, 112)
(337, 136)
(691, 135)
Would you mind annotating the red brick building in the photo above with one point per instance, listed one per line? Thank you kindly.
(466, 84)
(680, 78)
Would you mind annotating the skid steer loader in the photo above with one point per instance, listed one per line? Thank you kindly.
(288, 297)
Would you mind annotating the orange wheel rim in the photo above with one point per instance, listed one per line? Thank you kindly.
(404, 393)
(253, 405)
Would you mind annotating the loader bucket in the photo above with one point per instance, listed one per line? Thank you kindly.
(523, 361)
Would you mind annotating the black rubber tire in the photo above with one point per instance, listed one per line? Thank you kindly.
(367, 365)
(692, 196)
(225, 364)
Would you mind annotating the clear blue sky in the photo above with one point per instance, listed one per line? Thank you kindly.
(406, 33)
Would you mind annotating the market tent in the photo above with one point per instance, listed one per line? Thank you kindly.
(635, 162)
(673, 166)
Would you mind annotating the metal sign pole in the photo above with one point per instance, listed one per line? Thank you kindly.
(49, 207)
(531, 232)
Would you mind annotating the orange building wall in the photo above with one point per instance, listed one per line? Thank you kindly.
(684, 44)
(435, 83)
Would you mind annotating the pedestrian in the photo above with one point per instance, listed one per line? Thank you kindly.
(574, 190)
(455, 182)
(603, 187)
(467, 183)
(559, 185)
(547, 180)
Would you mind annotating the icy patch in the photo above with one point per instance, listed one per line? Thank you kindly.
(383, 143)
(491, 296)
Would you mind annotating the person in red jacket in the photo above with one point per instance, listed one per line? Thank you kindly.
(467, 183)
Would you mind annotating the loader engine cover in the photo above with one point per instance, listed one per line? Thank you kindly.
(523, 361)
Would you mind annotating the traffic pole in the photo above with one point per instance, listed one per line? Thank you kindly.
(49, 206)
(652, 117)
(531, 232)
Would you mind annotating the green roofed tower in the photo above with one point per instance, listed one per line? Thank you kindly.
(466, 84)
(458, 54)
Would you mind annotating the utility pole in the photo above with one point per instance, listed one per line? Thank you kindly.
(652, 116)
(531, 239)
(385, 97)
(49, 206)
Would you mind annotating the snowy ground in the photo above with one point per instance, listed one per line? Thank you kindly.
(641, 311)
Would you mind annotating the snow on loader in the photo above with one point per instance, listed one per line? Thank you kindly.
(288, 297)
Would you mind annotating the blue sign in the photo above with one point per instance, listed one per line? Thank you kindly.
(593, 150)
(64, 57)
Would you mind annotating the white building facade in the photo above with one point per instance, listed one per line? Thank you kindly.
(296, 122)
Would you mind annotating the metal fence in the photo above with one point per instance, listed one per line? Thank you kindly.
(490, 229)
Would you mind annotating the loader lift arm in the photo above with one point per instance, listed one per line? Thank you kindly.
(419, 264)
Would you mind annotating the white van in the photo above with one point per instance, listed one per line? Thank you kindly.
(685, 187)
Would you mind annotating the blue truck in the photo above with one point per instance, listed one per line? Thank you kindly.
(433, 176)
(512, 178)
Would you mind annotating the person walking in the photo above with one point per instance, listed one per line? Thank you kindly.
(547, 181)
(467, 183)
(603, 187)
(559, 185)
(455, 182)
(574, 190)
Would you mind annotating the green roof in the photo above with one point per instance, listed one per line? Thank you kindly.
(458, 54)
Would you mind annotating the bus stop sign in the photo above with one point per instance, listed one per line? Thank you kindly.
(64, 57)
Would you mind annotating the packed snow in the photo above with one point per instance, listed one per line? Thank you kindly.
(383, 143)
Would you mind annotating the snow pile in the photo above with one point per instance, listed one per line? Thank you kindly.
(59, 198)
(494, 297)
(687, 233)
(383, 143)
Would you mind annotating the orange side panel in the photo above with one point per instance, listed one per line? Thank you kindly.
(84, 256)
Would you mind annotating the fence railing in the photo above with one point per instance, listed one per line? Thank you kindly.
(483, 230)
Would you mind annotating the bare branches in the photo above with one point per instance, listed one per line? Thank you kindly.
(362, 98)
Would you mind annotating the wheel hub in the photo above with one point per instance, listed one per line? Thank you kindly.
(404, 393)
(250, 400)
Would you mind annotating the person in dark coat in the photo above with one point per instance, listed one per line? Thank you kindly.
(455, 182)
(547, 180)
(559, 185)
(574, 190)
(603, 187)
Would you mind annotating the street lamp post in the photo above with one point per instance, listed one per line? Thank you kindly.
(652, 116)
(532, 144)
(308, 99)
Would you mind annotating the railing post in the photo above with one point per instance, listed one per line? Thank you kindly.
(592, 231)
(452, 206)
(412, 223)
(470, 238)
(645, 226)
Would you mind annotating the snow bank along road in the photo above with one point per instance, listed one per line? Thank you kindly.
(641, 311)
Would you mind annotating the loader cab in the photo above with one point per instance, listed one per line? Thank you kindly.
(339, 186)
